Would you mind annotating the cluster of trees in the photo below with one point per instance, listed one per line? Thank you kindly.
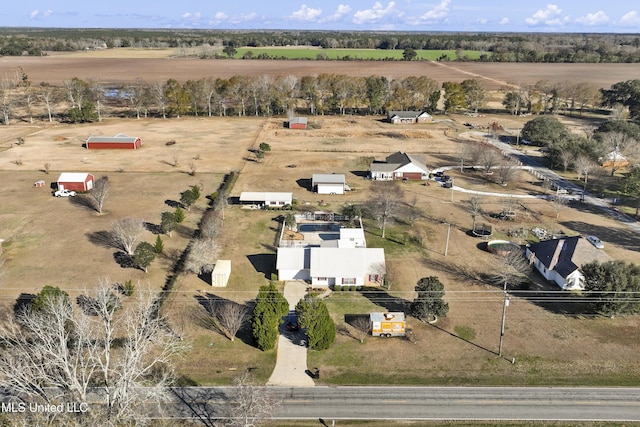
(110, 354)
(502, 47)
(78, 101)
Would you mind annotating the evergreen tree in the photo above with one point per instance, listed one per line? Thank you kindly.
(46, 293)
(271, 307)
(158, 247)
(314, 317)
(143, 255)
(169, 221)
(613, 287)
(179, 214)
(429, 301)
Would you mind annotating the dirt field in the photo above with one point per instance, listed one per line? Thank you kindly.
(48, 241)
(119, 70)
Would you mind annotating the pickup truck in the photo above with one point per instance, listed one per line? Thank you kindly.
(64, 193)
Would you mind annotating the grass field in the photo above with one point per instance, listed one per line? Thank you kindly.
(361, 54)
(47, 242)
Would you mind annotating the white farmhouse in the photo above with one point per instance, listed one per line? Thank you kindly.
(399, 166)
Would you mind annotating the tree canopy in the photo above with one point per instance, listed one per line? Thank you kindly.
(314, 317)
(545, 131)
(270, 308)
(429, 301)
(613, 287)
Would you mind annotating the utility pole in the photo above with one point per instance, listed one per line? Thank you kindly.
(504, 317)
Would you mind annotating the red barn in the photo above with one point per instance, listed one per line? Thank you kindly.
(75, 181)
(120, 141)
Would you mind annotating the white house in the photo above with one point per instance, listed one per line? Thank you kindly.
(328, 183)
(330, 266)
(559, 260)
(399, 166)
(399, 117)
(269, 199)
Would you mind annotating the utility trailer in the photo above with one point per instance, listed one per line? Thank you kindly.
(387, 324)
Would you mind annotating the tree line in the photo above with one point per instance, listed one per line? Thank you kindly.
(495, 47)
(79, 100)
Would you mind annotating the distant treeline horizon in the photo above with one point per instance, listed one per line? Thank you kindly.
(492, 47)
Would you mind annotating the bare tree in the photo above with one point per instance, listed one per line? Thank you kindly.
(126, 232)
(566, 158)
(210, 224)
(56, 353)
(361, 327)
(475, 209)
(583, 166)
(250, 405)
(231, 316)
(559, 202)
(201, 254)
(386, 199)
(49, 96)
(618, 145)
(412, 212)
(506, 173)
(487, 158)
(510, 268)
(100, 192)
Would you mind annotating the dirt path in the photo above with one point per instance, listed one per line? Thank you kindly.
(469, 73)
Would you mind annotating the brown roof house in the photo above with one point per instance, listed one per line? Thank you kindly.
(559, 260)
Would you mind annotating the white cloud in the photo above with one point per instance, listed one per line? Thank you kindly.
(597, 18)
(221, 16)
(376, 13)
(504, 21)
(630, 19)
(243, 17)
(342, 10)
(545, 15)
(437, 13)
(40, 13)
(482, 21)
(191, 16)
(306, 14)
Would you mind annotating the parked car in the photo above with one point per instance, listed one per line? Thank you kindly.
(292, 323)
(595, 242)
(64, 193)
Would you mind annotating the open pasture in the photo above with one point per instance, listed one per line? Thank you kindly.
(112, 69)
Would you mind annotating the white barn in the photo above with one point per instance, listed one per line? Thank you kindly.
(328, 183)
(269, 199)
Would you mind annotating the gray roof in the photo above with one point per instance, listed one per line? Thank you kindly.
(118, 138)
(398, 160)
(327, 178)
(405, 114)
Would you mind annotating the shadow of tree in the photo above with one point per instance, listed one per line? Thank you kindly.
(23, 302)
(381, 297)
(153, 228)
(84, 201)
(124, 260)
(206, 318)
(620, 235)
(203, 405)
(104, 238)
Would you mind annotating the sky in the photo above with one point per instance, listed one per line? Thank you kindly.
(613, 16)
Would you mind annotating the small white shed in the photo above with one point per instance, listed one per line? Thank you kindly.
(221, 272)
(328, 183)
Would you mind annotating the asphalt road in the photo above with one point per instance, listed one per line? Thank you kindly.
(431, 403)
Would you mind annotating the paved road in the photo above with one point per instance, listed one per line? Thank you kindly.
(441, 403)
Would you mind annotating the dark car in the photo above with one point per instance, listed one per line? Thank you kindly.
(292, 323)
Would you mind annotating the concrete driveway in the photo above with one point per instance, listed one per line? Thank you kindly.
(291, 360)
